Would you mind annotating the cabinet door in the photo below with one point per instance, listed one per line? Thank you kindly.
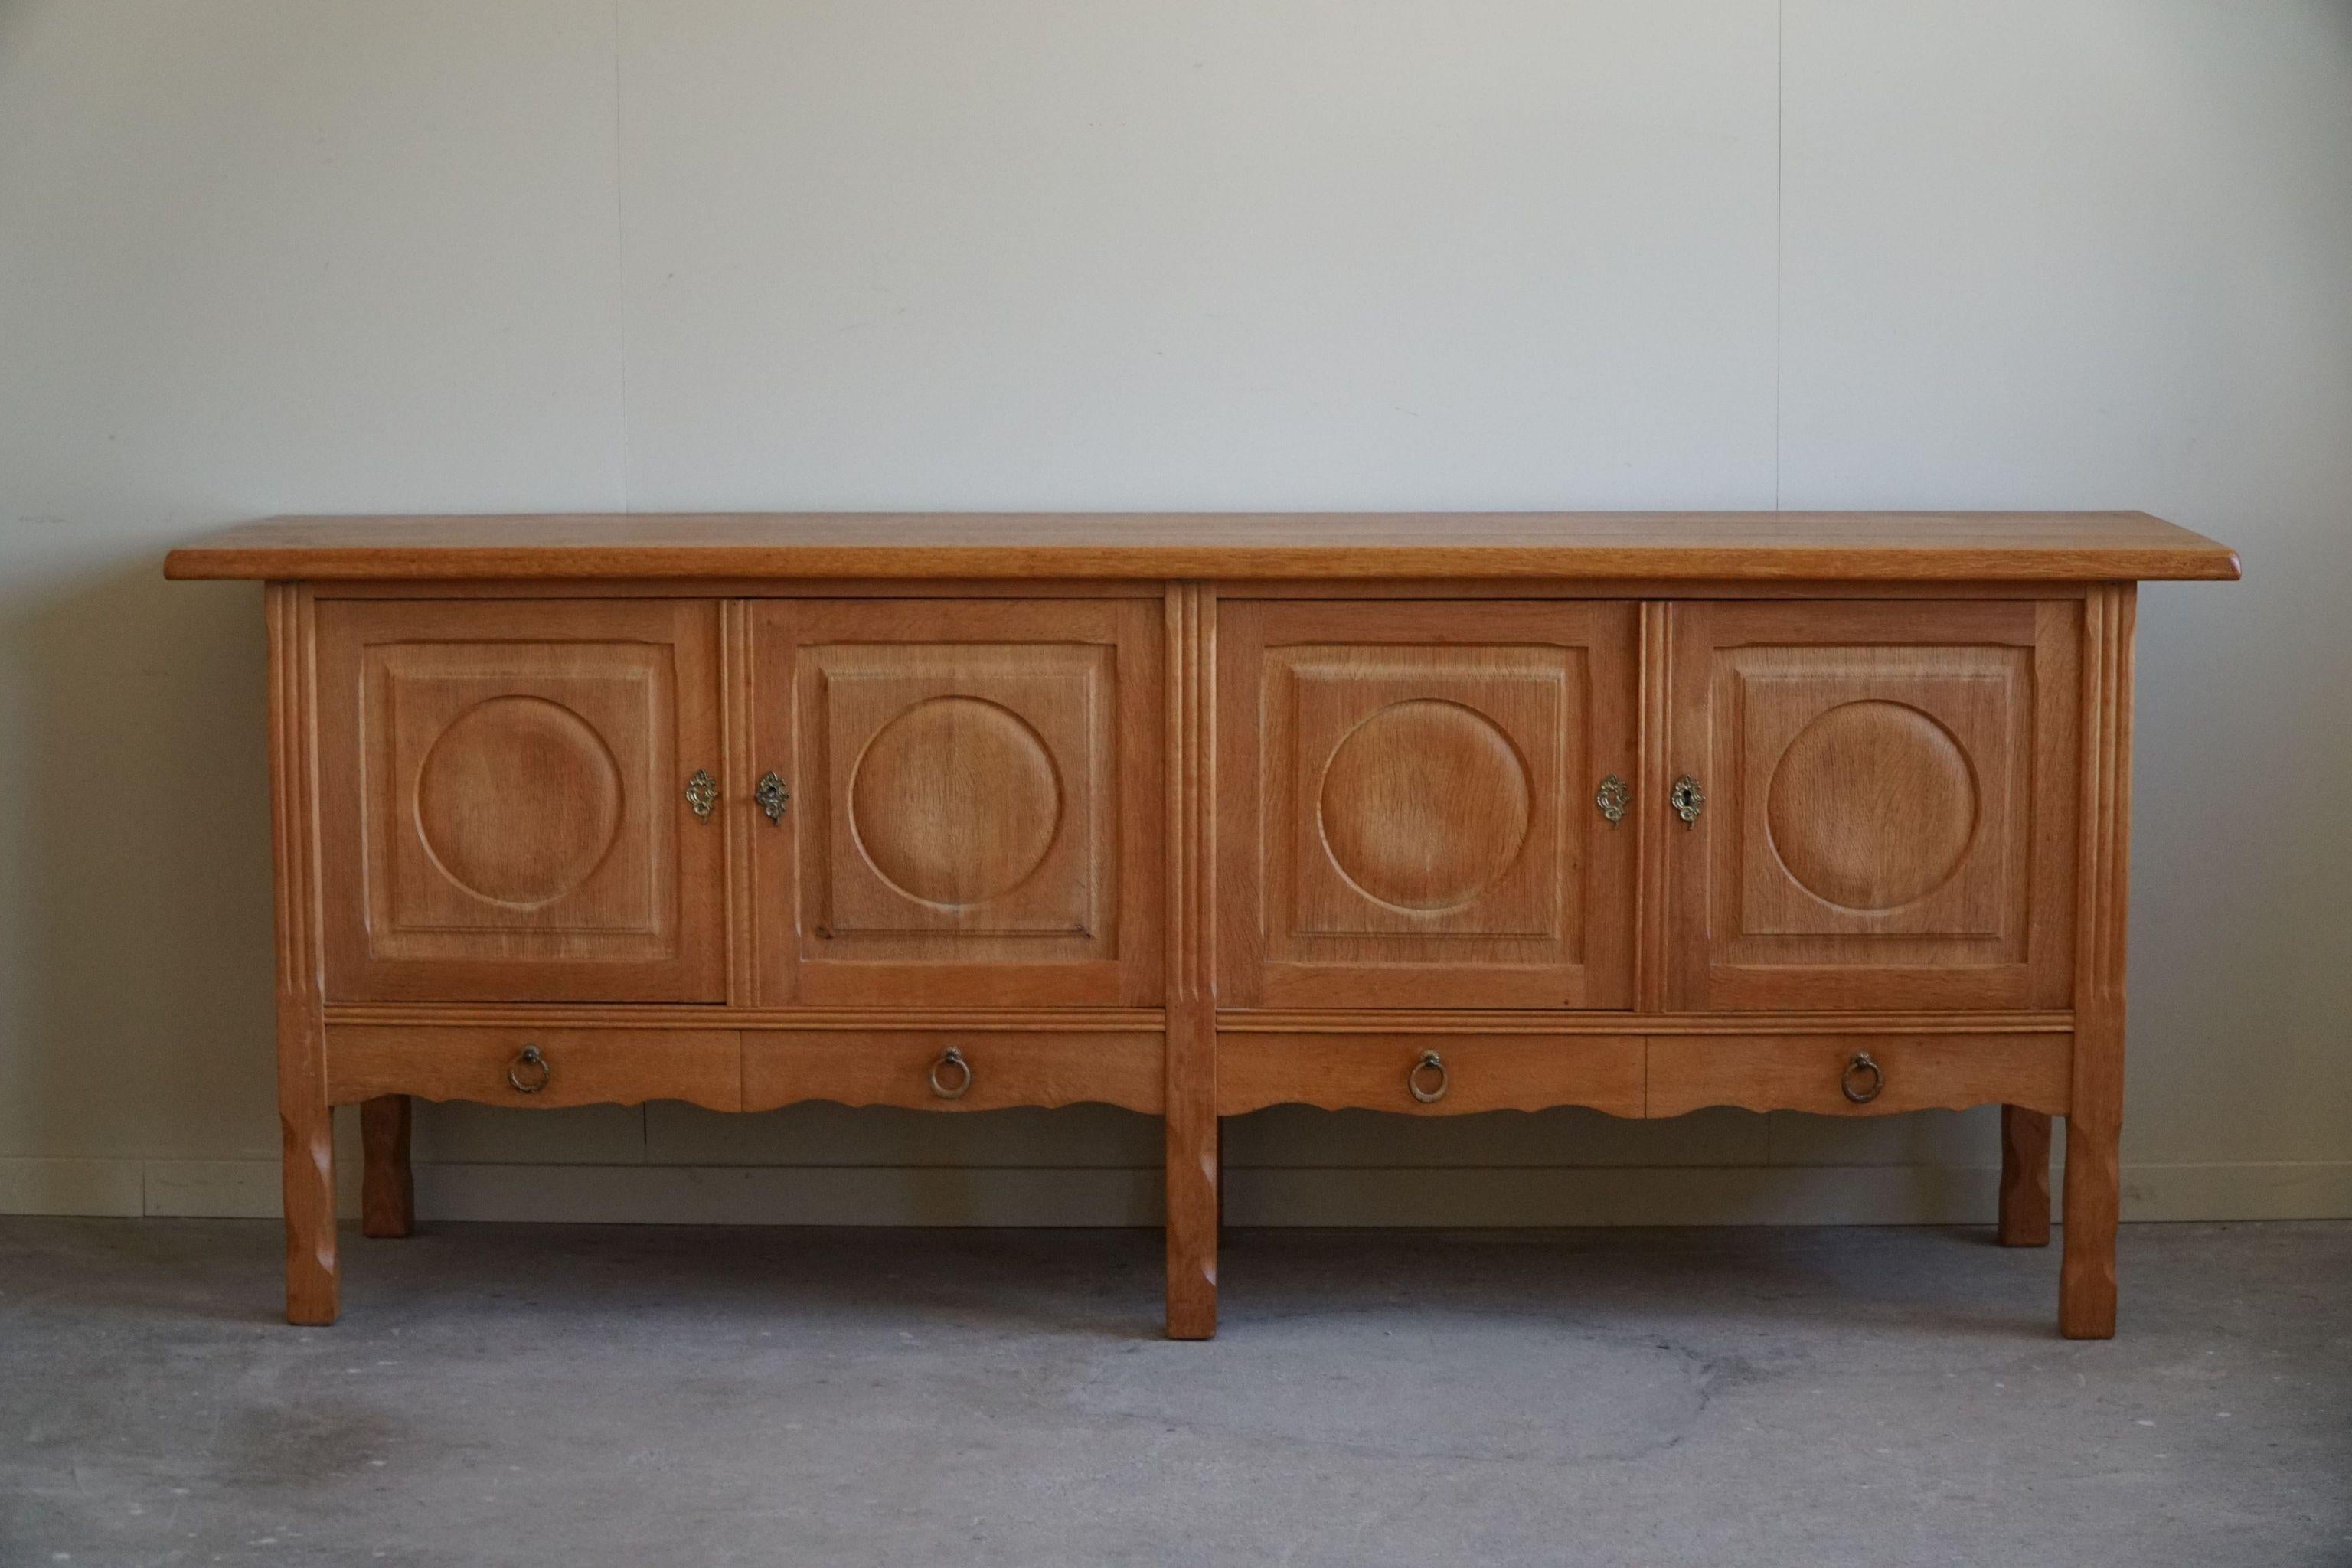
(1889, 813)
(1407, 812)
(502, 797)
(975, 813)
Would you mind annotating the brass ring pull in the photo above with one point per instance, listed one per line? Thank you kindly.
(1430, 1062)
(530, 1061)
(951, 1057)
(1687, 799)
(1860, 1089)
(702, 793)
(773, 795)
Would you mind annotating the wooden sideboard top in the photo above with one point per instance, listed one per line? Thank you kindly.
(1856, 546)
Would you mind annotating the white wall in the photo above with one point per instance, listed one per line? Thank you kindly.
(326, 255)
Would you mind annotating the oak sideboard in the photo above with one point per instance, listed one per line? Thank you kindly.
(1200, 813)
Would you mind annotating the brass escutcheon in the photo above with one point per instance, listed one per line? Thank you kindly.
(1687, 799)
(772, 794)
(1612, 798)
(702, 794)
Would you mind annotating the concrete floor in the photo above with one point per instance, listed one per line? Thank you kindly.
(591, 1395)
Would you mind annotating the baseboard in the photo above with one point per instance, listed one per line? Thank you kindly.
(995, 1195)
(1760, 1195)
(784, 1194)
(71, 1186)
(231, 1189)
(2314, 1189)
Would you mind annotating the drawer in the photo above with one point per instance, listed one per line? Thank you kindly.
(954, 1070)
(573, 1067)
(1472, 1072)
(1812, 1072)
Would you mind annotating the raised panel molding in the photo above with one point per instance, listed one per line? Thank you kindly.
(502, 792)
(1872, 807)
(1889, 813)
(1424, 791)
(961, 791)
(1407, 789)
(1881, 793)
(495, 796)
(975, 785)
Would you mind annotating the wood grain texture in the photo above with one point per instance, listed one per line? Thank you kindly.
(1406, 793)
(1480, 1072)
(2094, 1192)
(976, 802)
(387, 1184)
(305, 1121)
(1193, 1160)
(584, 1066)
(883, 1067)
(1889, 805)
(2025, 1178)
(1659, 546)
(1797, 1072)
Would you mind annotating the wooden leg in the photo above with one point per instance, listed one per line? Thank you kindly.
(1192, 1186)
(387, 1192)
(2025, 1178)
(308, 1125)
(1190, 1105)
(2086, 1276)
(306, 1122)
(2095, 1112)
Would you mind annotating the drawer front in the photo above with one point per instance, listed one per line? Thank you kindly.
(534, 1066)
(1393, 1073)
(1887, 804)
(974, 811)
(503, 800)
(1822, 1073)
(1413, 805)
(958, 1070)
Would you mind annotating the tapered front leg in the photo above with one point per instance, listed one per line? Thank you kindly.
(2025, 1178)
(387, 1191)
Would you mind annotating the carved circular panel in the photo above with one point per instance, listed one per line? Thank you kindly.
(955, 801)
(1872, 805)
(519, 800)
(1426, 804)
